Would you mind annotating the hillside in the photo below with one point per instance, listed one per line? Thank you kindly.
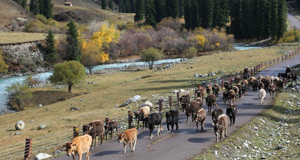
(13, 16)
(85, 11)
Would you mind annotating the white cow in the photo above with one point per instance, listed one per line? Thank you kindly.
(261, 95)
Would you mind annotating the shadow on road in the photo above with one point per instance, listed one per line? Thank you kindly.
(198, 140)
(103, 153)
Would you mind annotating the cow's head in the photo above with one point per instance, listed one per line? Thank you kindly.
(85, 129)
(70, 148)
(168, 116)
(121, 138)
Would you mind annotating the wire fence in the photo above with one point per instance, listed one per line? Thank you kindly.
(55, 141)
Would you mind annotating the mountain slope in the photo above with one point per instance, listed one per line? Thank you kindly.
(13, 16)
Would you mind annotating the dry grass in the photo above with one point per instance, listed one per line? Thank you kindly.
(8, 38)
(97, 101)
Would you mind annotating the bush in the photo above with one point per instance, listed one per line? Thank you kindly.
(290, 36)
(41, 18)
(19, 96)
(30, 81)
(190, 53)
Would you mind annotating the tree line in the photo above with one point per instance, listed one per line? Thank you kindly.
(246, 19)
(43, 7)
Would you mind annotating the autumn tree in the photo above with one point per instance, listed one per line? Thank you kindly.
(3, 66)
(51, 53)
(150, 55)
(69, 73)
(93, 48)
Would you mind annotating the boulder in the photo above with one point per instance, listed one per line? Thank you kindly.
(20, 125)
(41, 156)
(42, 126)
(40, 105)
(147, 103)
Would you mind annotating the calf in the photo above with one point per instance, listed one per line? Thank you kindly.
(142, 115)
(111, 126)
(231, 111)
(210, 102)
(216, 89)
(155, 120)
(220, 127)
(208, 89)
(200, 117)
(255, 84)
(227, 85)
(261, 95)
(272, 89)
(200, 93)
(216, 113)
(79, 145)
(226, 96)
(96, 129)
(129, 136)
(172, 117)
(237, 91)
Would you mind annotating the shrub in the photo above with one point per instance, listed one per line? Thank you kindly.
(30, 81)
(290, 36)
(3, 65)
(190, 53)
(41, 18)
(19, 96)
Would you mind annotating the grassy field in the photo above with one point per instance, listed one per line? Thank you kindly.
(20, 37)
(272, 135)
(98, 100)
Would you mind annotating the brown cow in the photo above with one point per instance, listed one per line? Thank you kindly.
(272, 89)
(200, 93)
(96, 130)
(129, 136)
(220, 127)
(200, 117)
(191, 108)
(216, 89)
(208, 89)
(111, 126)
(210, 102)
(184, 100)
(79, 145)
(231, 97)
(142, 115)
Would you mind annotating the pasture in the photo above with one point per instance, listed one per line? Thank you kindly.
(98, 100)
(20, 37)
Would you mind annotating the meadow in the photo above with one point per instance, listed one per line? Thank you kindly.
(98, 100)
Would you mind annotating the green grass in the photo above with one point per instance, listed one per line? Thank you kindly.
(98, 100)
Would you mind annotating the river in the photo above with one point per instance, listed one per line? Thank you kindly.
(44, 76)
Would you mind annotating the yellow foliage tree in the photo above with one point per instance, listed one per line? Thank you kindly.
(3, 66)
(93, 49)
(201, 40)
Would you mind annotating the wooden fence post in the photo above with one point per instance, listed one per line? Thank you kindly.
(160, 105)
(129, 119)
(178, 96)
(170, 102)
(27, 152)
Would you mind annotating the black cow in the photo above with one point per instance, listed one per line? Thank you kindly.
(172, 117)
(231, 111)
(155, 119)
(255, 85)
(85, 129)
(96, 129)
(110, 126)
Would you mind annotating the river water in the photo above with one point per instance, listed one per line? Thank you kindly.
(44, 76)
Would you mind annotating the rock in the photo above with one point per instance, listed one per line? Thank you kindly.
(244, 156)
(137, 97)
(42, 126)
(279, 147)
(41, 156)
(263, 157)
(90, 83)
(40, 105)
(81, 100)
(57, 152)
(20, 125)
(18, 133)
(175, 91)
(255, 128)
(246, 144)
(74, 108)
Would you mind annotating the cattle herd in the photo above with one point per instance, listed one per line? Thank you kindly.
(192, 107)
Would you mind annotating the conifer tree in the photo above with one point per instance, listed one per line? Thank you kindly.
(34, 7)
(139, 10)
(51, 53)
(41, 6)
(48, 8)
(120, 6)
(149, 13)
(187, 18)
(24, 3)
(111, 4)
(194, 12)
(171, 8)
(224, 13)
(103, 4)
(73, 51)
(282, 18)
(159, 10)
(132, 6)
(216, 14)
(274, 18)
(206, 8)
(235, 27)
(181, 8)
(127, 6)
